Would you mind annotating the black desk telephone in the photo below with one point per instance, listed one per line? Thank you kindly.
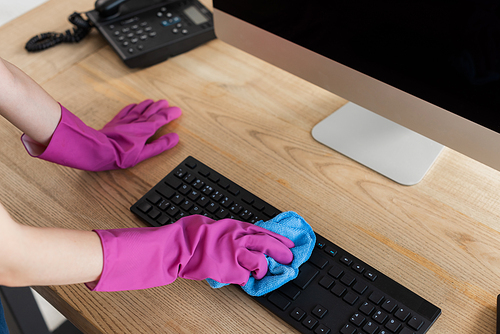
(142, 32)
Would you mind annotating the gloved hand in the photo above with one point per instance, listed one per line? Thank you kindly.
(119, 144)
(195, 247)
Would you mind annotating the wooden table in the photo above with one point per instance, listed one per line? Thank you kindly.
(251, 122)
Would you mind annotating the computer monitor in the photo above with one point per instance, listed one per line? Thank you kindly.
(418, 74)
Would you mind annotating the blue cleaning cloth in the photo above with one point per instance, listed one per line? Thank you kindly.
(295, 228)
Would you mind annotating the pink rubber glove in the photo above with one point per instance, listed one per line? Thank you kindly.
(119, 144)
(195, 247)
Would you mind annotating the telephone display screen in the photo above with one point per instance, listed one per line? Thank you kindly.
(195, 15)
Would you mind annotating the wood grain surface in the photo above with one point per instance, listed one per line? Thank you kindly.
(252, 122)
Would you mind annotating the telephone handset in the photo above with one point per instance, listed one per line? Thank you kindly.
(146, 32)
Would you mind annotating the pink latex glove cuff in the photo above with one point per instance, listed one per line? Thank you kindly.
(195, 247)
(121, 143)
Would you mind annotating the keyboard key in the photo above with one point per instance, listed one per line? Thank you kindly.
(154, 198)
(330, 251)
(154, 213)
(348, 279)
(322, 329)
(144, 207)
(370, 275)
(180, 215)
(379, 317)
(297, 314)
(326, 282)
(203, 201)
(224, 184)
(180, 172)
(173, 210)
(196, 210)
(173, 182)
(214, 177)
(335, 272)
(254, 219)
(167, 192)
(290, 290)
(246, 214)
(415, 323)
(402, 314)
(270, 212)
(393, 325)
(367, 308)
(346, 260)
(348, 329)
(338, 290)
(226, 202)
(306, 274)
(406, 330)
(189, 178)
(357, 319)
(309, 322)
(177, 199)
(198, 184)
(358, 268)
(236, 208)
(187, 205)
(194, 195)
(320, 244)
(258, 205)
(318, 260)
(163, 220)
(279, 300)
(370, 327)
(319, 311)
(191, 164)
(234, 190)
(350, 298)
(221, 213)
(163, 205)
(389, 305)
(376, 297)
(204, 172)
(216, 196)
(212, 207)
(247, 199)
(360, 287)
(207, 190)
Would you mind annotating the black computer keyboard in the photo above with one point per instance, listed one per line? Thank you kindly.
(335, 292)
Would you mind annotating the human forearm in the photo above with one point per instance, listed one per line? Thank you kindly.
(26, 105)
(47, 256)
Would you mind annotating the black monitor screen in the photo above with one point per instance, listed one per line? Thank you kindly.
(445, 52)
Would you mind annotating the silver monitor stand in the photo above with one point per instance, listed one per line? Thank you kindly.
(386, 147)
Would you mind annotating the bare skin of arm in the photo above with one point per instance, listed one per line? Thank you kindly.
(26, 104)
(33, 255)
(47, 256)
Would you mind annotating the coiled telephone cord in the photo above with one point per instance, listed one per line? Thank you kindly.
(50, 39)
